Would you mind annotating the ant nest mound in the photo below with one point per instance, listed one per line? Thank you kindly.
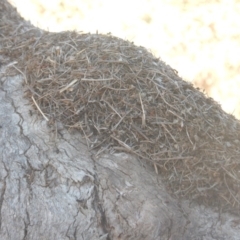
(121, 98)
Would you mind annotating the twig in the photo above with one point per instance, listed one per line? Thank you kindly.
(25, 78)
(39, 109)
(68, 86)
(143, 112)
(96, 80)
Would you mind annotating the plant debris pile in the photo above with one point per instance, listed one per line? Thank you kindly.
(121, 98)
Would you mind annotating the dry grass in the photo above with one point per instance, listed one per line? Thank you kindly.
(121, 98)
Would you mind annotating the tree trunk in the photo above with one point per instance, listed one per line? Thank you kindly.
(53, 187)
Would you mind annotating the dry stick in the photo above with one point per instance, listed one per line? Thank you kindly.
(102, 149)
(174, 158)
(81, 51)
(161, 73)
(39, 109)
(189, 136)
(112, 108)
(121, 120)
(155, 167)
(68, 86)
(229, 174)
(139, 131)
(225, 199)
(96, 80)
(176, 115)
(144, 115)
(86, 137)
(25, 78)
(88, 59)
(129, 149)
(21, 46)
(169, 133)
(70, 45)
(161, 95)
(123, 144)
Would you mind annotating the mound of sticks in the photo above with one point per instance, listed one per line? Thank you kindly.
(121, 98)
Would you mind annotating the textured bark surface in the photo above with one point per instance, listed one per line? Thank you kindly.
(52, 187)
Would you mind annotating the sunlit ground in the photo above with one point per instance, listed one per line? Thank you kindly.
(200, 39)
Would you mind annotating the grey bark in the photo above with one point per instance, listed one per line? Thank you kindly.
(53, 187)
